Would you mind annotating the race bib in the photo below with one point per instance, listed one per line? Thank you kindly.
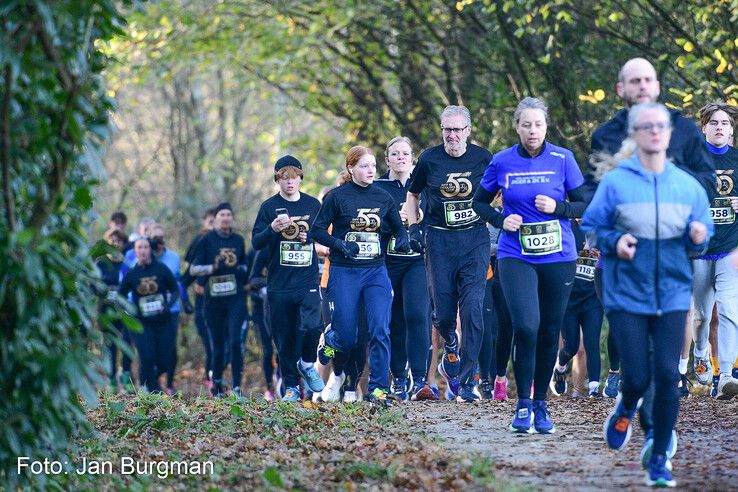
(295, 254)
(369, 247)
(222, 285)
(151, 305)
(112, 293)
(459, 213)
(391, 250)
(586, 268)
(540, 238)
(722, 212)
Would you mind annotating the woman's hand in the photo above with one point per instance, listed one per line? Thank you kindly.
(545, 204)
(512, 223)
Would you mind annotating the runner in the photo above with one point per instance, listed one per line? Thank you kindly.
(357, 210)
(154, 291)
(584, 314)
(410, 324)
(282, 227)
(647, 216)
(260, 320)
(536, 254)
(109, 268)
(220, 264)
(457, 245)
(206, 226)
(488, 351)
(715, 281)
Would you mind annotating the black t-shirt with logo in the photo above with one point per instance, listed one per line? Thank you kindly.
(726, 222)
(398, 192)
(357, 214)
(153, 287)
(450, 184)
(292, 264)
(226, 284)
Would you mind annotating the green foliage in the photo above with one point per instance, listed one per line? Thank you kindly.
(53, 121)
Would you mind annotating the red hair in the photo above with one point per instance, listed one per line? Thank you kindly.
(355, 154)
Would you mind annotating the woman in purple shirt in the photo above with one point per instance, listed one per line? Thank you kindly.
(537, 252)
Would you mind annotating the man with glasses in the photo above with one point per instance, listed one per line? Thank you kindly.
(457, 244)
(638, 83)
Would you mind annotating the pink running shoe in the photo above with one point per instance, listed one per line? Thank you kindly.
(500, 392)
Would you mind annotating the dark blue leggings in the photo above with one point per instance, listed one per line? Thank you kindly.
(536, 295)
(204, 333)
(154, 346)
(410, 323)
(224, 323)
(488, 353)
(590, 321)
(504, 326)
(171, 369)
(260, 319)
(634, 335)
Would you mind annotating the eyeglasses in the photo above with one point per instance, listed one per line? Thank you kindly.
(649, 127)
(453, 130)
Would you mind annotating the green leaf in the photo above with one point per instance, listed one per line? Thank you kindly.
(272, 476)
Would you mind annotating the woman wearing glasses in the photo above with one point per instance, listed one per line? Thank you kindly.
(647, 217)
(537, 254)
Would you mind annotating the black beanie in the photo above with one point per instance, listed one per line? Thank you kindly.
(285, 161)
(223, 206)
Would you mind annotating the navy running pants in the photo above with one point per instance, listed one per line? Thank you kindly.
(224, 322)
(590, 321)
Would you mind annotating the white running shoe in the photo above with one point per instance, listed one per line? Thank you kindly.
(727, 387)
(350, 397)
(703, 370)
(332, 390)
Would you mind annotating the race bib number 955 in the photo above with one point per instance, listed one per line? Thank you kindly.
(295, 254)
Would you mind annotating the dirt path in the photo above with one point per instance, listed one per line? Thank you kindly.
(575, 457)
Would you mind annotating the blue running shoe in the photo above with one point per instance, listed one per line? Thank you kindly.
(451, 362)
(617, 428)
(291, 394)
(612, 386)
(311, 377)
(541, 421)
(454, 385)
(715, 382)
(647, 449)
(436, 393)
(523, 418)
(381, 398)
(658, 475)
(467, 394)
(398, 388)
(325, 351)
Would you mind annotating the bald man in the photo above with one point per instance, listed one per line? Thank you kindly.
(638, 83)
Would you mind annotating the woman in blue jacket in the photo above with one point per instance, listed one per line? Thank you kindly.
(646, 218)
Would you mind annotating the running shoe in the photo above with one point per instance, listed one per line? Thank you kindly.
(702, 370)
(325, 351)
(523, 418)
(269, 395)
(485, 390)
(500, 392)
(714, 390)
(595, 394)
(727, 387)
(350, 396)
(380, 398)
(467, 394)
(558, 382)
(658, 475)
(127, 382)
(171, 391)
(454, 385)
(421, 391)
(684, 384)
(541, 420)
(647, 449)
(217, 389)
(291, 394)
(236, 391)
(617, 428)
(332, 390)
(434, 390)
(311, 377)
(734, 373)
(398, 388)
(612, 386)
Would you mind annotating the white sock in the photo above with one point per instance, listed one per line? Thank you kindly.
(683, 365)
(306, 365)
(594, 386)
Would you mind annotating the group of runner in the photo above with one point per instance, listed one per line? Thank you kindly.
(513, 255)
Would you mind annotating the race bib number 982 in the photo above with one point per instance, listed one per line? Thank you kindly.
(459, 213)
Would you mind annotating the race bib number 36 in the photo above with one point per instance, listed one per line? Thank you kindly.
(369, 247)
(459, 213)
(540, 238)
(295, 254)
(222, 285)
(151, 305)
(722, 211)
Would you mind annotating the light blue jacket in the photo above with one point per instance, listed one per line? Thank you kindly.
(657, 209)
